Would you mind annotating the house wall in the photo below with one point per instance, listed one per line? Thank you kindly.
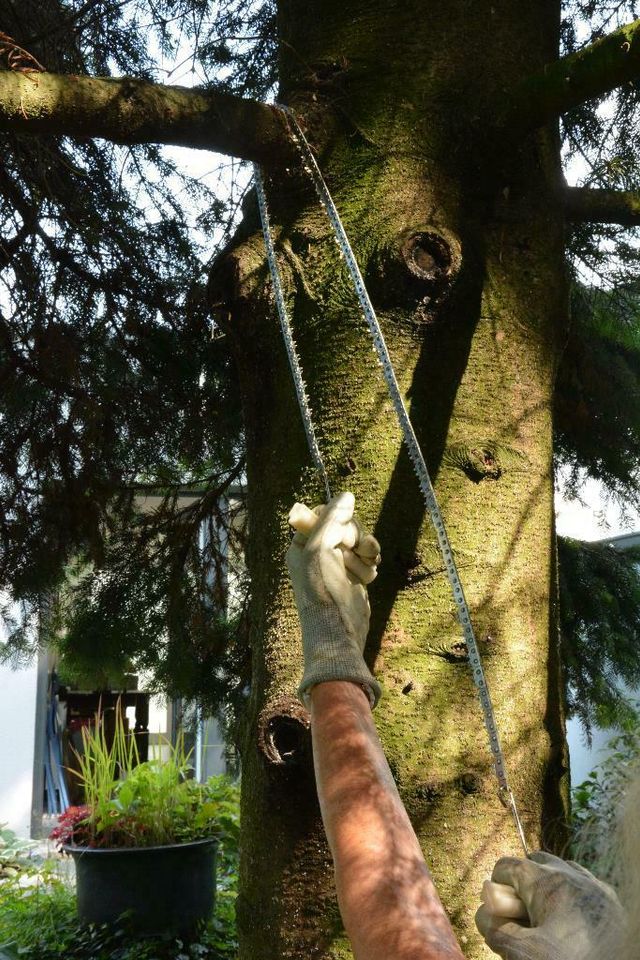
(18, 692)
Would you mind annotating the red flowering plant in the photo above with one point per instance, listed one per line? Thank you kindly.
(71, 827)
(133, 804)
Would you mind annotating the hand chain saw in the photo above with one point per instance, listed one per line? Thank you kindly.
(415, 453)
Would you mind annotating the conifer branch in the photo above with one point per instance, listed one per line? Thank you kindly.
(134, 111)
(594, 71)
(586, 204)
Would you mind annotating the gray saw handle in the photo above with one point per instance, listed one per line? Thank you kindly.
(501, 900)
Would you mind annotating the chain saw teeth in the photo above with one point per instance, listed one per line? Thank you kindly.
(287, 336)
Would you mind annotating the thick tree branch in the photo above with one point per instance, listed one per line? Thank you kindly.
(591, 72)
(584, 204)
(134, 111)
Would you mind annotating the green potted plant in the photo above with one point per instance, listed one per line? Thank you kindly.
(144, 843)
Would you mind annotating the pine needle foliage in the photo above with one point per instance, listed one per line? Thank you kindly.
(600, 631)
(597, 403)
(597, 400)
(111, 388)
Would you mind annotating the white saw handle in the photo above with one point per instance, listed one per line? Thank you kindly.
(302, 519)
(501, 900)
(365, 545)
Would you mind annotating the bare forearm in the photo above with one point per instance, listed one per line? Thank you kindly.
(388, 901)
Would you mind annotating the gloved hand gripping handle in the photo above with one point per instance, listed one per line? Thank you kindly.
(361, 551)
(303, 520)
(330, 565)
(501, 900)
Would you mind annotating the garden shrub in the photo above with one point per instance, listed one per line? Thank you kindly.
(38, 909)
(596, 802)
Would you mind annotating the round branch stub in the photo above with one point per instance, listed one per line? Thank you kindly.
(427, 257)
(416, 270)
(283, 732)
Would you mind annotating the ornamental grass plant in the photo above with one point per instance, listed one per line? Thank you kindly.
(129, 803)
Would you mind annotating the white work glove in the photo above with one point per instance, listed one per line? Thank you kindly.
(329, 571)
(569, 910)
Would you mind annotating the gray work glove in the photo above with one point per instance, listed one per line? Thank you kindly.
(569, 910)
(329, 571)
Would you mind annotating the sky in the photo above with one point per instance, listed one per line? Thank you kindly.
(591, 517)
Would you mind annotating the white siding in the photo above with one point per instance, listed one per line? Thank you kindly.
(17, 740)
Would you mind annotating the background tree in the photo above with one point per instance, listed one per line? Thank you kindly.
(437, 127)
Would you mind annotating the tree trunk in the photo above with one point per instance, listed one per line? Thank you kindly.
(461, 243)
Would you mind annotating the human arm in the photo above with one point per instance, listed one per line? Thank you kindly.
(387, 898)
(388, 901)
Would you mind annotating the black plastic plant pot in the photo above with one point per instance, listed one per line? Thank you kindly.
(166, 891)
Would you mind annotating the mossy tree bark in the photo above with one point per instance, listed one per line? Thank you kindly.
(461, 240)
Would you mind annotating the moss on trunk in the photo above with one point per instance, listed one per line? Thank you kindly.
(464, 260)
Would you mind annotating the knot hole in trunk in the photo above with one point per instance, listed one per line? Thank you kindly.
(427, 256)
(284, 737)
(416, 271)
